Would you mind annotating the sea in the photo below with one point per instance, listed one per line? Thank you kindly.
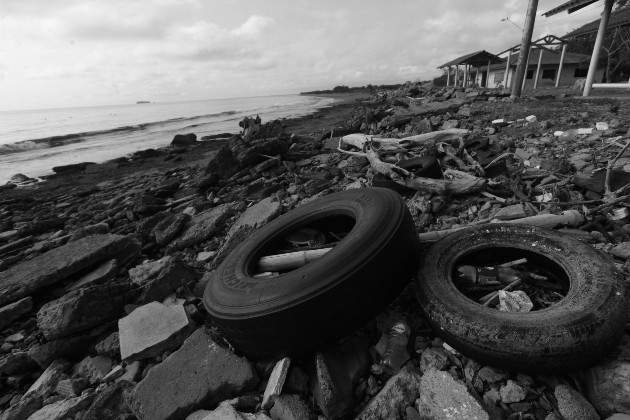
(32, 142)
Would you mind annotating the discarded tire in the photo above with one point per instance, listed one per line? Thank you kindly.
(327, 298)
(571, 334)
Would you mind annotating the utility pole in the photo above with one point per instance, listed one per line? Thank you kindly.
(521, 66)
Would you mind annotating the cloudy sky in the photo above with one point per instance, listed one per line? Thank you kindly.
(58, 53)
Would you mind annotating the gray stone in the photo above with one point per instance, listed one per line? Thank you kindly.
(97, 229)
(161, 278)
(109, 346)
(338, 370)
(442, 397)
(15, 310)
(276, 382)
(619, 416)
(108, 403)
(82, 309)
(47, 381)
(433, 359)
(132, 372)
(68, 347)
(572, 405)
(400, 391)
(93, 369)
(213, 374)
(23, 409)
(152, 329)
(490, 375)
(291, 407)
(15, 363)
(257, 215)
(621, 250)
(168, 229)
(71, 388)
(55, 265)
(515, 211)
(512, 392)
(102, 274)
(63, 409)
(203, 226)
(225, 411)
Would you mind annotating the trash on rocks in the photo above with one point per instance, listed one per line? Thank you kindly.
(395, 354)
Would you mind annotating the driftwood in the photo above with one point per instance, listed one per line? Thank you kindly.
(462, 184)
(360, 140)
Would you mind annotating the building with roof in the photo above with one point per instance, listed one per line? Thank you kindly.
(574, 67)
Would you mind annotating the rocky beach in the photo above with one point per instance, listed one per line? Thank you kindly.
(103, 267)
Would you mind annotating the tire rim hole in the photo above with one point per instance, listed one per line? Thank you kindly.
(543, 281)
(319, 234)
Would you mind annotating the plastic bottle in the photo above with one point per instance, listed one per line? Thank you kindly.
(396, 350)
(468, 274)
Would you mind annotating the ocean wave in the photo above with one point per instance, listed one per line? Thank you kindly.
(62, 140)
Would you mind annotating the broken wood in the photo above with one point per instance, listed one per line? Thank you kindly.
(290, 260)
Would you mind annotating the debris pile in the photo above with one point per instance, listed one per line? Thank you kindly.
(101, 286)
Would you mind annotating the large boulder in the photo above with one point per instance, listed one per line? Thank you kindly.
(83, 309)
(58, 264)
(67, 347)
(200, 373)
(222, 163)
(184, 139)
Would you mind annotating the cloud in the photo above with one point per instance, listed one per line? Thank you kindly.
(253, 26)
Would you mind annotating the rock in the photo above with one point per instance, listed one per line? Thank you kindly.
(223, 163)
(160, 278)
(15, 310)
(512, 392)
(255, 152)
(97, 229)
(276, 382)
(102, 274)
(184, 139)
(75, 167)
(516, 301)
(225, 411)
(257, 215)
(442, 397)
(63, 409)
(110, 346)
(433, 359)
(23, 409)
(338, 371)
(71, 388)
(152, 329)
(93, 369)
(101, 167)
(53, 266)
(572, 405)
(621, 250)
(619, 416)
(204, 226)
(168, 229)
(208, 181)
(291, 407)
(132, 372)
(512, 212)
(108, 403)
(68, 347)
(213, 374)
(76, 312)
(608, 384)
(490, 375)
(47, 381)
(399, 392)
(16, 363)
(146, 227)
(14, 246)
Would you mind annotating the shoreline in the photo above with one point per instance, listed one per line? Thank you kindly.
(319, 121)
